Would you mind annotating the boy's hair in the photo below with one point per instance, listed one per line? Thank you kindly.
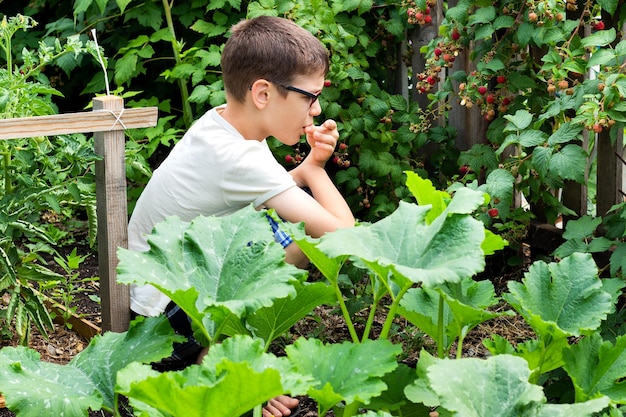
(269, 48)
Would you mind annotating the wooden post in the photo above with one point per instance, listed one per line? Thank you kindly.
(112, 216)
(609, 165)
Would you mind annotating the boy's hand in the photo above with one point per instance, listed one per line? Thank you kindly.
(323, 140)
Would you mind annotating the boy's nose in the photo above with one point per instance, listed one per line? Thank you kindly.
(315, 109)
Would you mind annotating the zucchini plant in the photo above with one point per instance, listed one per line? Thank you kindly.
(231, 278)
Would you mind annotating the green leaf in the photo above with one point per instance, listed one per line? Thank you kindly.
(87, 381)
(426, 194)
(398, 102)
(497, 386)
(582, 227)
(81, 6)
(601, 57)
(208, 28)
(397, 380)
(564, 298)
(569, 163)
(483, 31)
(447, 249)
(524, 33)
(618, 259)
(33, 388)
(466, 306)
(541, 160)
(597, 367)
(125, 68)
(357, 379)
(191, 393)
(567, 132)
(503, 377)
(328, 266)
(121, 4)
(420, 306)
(145, 341)
(270, 322)
(532, 138)
(518, 121)
(213, 266)
(499, 186)
(482, 15)
(503, 22)
(420, 391)
(599, 38)
(610, 6)
(245, 349)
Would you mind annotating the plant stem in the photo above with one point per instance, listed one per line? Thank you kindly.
(346, 315)
(6, 162)
(384, 333)
(459, 345)
(370, 321)
(440, 347)
(184, 92)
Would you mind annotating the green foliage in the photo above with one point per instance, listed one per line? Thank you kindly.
(598, 235)
(495, 386)
(38, 388)
(44, 181)
(202, 285)
(559, 301)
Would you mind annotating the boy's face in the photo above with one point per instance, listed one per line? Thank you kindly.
(297, 109)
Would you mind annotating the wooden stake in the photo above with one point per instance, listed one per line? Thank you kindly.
(112, 217)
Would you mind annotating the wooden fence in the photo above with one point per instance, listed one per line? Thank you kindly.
(108, 120)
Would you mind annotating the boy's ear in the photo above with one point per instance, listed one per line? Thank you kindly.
(260, 93)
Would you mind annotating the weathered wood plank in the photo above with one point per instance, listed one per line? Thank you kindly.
(610, 168)
(99, 120)
(112, 218)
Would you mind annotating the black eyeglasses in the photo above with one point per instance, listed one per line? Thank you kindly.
(312, 96)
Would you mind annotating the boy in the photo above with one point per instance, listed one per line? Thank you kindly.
(273, 73)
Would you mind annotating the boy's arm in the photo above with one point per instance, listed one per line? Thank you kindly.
(327, 210)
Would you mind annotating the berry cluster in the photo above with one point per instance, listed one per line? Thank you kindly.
(542, 12)
(476, 92)
(341, 157)
(571, 5)
(423, 124)
(417, 15)
(296, 158)
(443, 56)
(366, 193)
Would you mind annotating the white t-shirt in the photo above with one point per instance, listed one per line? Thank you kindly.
(212, 170)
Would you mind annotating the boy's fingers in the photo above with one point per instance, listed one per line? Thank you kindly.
(330, 124)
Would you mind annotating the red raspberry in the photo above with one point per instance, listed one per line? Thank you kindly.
(501, 79)
(437, 51)
(327, 83)
(599, 25)
(482, 89)
(289, 159)
(455, 35)
(493, 212)
(490, 99)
